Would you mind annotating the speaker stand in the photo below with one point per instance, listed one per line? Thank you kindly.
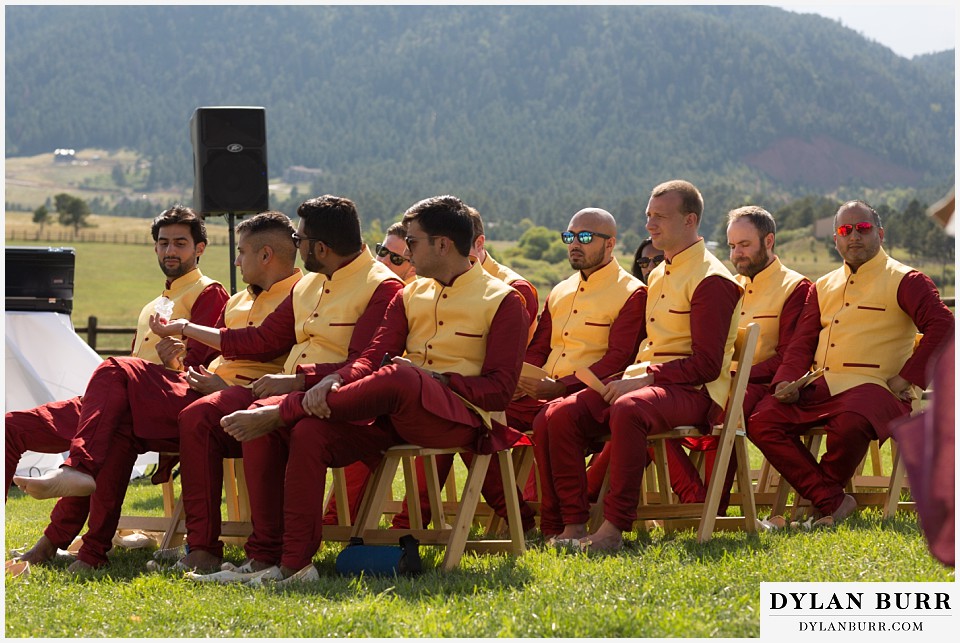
(233, 254)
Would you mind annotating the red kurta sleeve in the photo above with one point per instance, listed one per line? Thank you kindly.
(207, 310)
(539, 349)
(803, 345)
(529, 296)
(763, 372)
(626, 333)
(715, 298)
(363, 332)
(266, 342)
(390, 338)
(919, 298)
(493, 389)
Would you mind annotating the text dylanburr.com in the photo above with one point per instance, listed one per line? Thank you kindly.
(849, 611)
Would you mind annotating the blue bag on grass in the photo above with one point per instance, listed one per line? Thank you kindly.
(379, 560)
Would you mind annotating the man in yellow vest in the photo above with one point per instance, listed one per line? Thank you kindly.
(492, 485)
(859, 324)
(462, 332)
(328, 319)
(392, 253)
(180, 238)
(681, 375)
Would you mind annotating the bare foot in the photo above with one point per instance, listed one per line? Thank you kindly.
(63, 482)
(606, 538)
(252, 423)
(847, 507)
(572, 532)
(80, 567)
(202, 561)
(42, 552)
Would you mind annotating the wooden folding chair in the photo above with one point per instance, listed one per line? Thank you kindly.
(454, 538)
(732, 436)
(234, 530)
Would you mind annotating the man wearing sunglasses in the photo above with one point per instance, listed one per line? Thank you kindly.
(681, 375)
(859, 324)
(392, 253)
(328, 319)
(492, 486)
(462, 332)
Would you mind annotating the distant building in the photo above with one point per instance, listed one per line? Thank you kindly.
(64, 155)
(301, 174)
(823, 228)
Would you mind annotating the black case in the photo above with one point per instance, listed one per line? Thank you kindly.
(40, 279)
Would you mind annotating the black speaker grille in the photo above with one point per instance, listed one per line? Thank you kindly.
(235, 181)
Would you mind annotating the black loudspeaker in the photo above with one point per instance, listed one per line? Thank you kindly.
(39, 279)
(229, 160)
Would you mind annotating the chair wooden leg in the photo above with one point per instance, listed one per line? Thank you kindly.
(512, 498)
(715, 488)
(663, 472)
(747, 501)
(468, 503)
(373, 499)
(172, 537)
(339, 490)
(596, 511)
(413, 492)
(897, 480)
(437, 512)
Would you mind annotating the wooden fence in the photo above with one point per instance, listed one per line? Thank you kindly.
(86, 236)
(93, 329)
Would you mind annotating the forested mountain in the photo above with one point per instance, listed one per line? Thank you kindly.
(526, 111)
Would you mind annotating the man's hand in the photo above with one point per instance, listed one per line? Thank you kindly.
(541, 389)
(788, 398)
(166, 329)
(315, 401)
(901, 388)
(278, 384)
(171, 352)
(205, 382)
(613, 390)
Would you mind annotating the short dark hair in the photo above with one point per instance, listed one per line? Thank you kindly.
(396, 230)
(857, 203)
(267, 221)
(762, 220)
(477, 223)
(180, 214)
(635, 267)
(279, 228)
(334, 221)
(443, 216)
(692, 199)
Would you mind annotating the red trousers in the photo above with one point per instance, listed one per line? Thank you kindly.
(48, 429)
(293, 461)
(688, 487)
(203, 446)
(125, 391)
(848, 417)
(565, 430)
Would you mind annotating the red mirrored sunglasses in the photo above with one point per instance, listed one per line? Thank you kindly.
(847, 228)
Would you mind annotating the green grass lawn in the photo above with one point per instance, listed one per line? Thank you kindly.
(661, 585)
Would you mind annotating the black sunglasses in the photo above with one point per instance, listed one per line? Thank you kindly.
(643, 262)
(395, 259)
(297, 239)
(584, 236)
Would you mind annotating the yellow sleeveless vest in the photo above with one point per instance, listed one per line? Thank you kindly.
(865, 336)
(243, 310)
(183, 292)
(492, 267)
(763, 299)
(326, 310)
(582, 312)
(669, 296)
